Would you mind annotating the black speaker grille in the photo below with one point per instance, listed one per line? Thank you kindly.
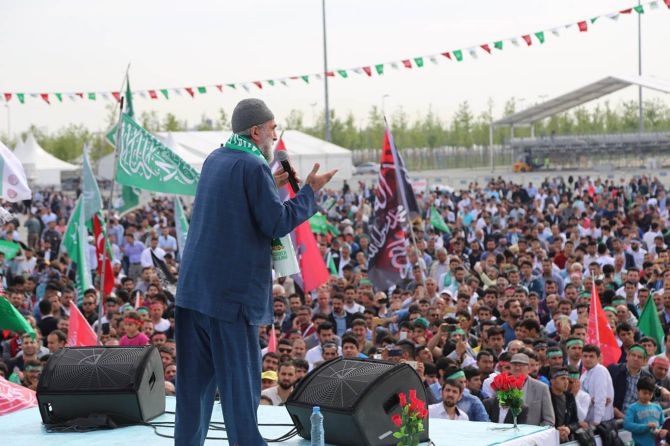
(96, 368)
(339, 385)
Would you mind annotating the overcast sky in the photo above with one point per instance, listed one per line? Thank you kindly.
(82, 45)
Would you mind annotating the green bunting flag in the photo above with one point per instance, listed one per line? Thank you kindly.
(498, 45)
(146, 163)
(649, 323)
(379, 68)
(437, 222)
(540, 36)
(458, 54)
(11, 319)
(181, 224)
(75, 241)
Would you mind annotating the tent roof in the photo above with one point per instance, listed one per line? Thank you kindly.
(30, 152)
(297, 143)
(578, 97)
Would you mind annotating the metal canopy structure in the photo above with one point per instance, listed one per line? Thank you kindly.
(578, 97)
(575, 98)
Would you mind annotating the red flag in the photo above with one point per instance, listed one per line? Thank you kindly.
(80, 333)
(153, 94)
(259, 84)
(220, 88)
(368, 71)
(447, 55)
(313, 268)
(272, 343)
(117, 96)
(14, 397)
(583, 26)
(528, 40)
(8, 96)
(600, 333)
(139, 302)
(100, 245)
(190, 91)
(626, 11)
(45, 97)
(486, 48)
(407, 63)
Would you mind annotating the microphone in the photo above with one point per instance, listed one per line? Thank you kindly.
(283, 159)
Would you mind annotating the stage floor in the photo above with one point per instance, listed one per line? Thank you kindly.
(25, 428)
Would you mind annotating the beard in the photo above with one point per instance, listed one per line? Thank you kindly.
(284, 385)
(449, 403)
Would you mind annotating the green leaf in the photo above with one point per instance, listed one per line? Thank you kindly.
(397, 435)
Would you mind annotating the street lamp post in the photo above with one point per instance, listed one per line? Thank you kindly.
(325, 71)
(639, 69)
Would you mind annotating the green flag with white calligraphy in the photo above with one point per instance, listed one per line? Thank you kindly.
(145, 162)
(75, 242)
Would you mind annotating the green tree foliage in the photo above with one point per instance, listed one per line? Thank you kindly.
(463, 130)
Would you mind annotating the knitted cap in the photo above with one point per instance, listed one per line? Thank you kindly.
(248, 113)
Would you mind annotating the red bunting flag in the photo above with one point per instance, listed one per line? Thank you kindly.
(447, 55)
(332, 73)
(153, 94)
(368, 71)
(190, 91)
(259, 84)
(220, 88)
(81, 95)
(528, 40)
(486, 48)
(8, 96)
(407, 63)
(600, 333)
(80, 333)
(117, 96)
(626, 11)
(583, 26)
(45, 97)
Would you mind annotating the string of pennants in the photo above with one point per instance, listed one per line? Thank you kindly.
(457, 55)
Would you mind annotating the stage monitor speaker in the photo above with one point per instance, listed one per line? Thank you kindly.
(124, 383)
(357, 399)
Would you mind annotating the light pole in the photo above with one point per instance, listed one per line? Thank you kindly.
(384, 104)
(325, 71)
(639, 68)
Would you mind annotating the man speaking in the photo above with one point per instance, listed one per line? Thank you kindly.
(225, 279)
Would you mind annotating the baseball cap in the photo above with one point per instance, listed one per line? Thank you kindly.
(270, 374)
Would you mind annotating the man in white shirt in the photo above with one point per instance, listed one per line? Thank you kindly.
(167, 242)
(451, 393)
(280, 393)
(146, 260)
(597, 382)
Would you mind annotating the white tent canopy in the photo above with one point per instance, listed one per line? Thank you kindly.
(304, 150)
(41, 167)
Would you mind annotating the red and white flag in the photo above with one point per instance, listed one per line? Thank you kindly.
(600, 333)
(80, 333)
(100, 246)
(14, 397)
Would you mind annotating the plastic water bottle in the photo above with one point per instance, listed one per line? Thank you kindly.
(317, 434)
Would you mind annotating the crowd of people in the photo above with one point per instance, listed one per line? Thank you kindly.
(506, 289)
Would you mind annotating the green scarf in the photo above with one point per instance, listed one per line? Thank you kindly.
(237, 142)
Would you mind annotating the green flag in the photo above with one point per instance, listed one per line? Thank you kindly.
(129, 195)
(10, 248)
(318, 223)
(145, 162)
(650, 324)
(331, 264)
(437, 222)
(75, 241)
(91, 192)
(11, 319)
(181, 224)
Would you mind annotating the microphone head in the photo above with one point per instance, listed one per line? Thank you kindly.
(281, 155)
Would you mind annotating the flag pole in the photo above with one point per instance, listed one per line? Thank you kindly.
(110, 210)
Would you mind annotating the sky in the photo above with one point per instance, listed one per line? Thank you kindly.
(82, 45)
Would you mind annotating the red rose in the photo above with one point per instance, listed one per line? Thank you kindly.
(397, 420)
(412, 394)
(403, 399)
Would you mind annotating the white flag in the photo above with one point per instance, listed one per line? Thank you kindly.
(14, 185)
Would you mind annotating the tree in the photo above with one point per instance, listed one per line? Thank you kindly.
(172, 124)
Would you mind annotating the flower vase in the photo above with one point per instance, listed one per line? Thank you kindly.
(516, 411)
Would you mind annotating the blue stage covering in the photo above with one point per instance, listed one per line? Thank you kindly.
(25, 428)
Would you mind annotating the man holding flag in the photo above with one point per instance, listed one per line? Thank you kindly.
(222, 300)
